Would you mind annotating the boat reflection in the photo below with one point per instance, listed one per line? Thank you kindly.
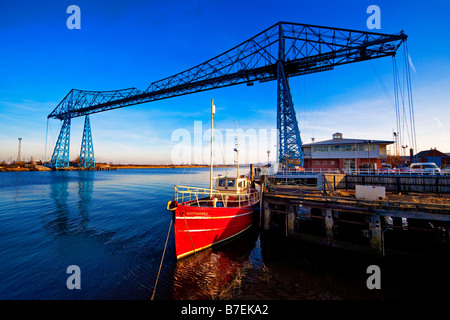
(214, 273)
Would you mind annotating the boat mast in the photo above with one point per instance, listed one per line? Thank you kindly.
(237, 149)
(211, 158)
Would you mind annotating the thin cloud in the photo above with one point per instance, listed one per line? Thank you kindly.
(411, 63)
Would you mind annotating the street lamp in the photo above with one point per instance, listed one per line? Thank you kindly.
(368, 143)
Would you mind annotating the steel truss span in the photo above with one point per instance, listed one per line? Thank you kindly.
(282, 51)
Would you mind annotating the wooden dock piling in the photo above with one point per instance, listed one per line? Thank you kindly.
(376, 236)
(328, 226)
(347, 222)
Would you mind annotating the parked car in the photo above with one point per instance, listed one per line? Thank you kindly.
(424, 168)
(386, 170)
(446, 170)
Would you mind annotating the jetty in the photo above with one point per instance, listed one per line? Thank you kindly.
(366, 213)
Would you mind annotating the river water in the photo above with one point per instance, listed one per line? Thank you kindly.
(113, 226)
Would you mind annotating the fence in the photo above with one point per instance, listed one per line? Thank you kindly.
(394, 183)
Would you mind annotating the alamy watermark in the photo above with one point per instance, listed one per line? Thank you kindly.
(374, 20)
(74, 280)
(74, 20)
(253, 145)
(374, 280)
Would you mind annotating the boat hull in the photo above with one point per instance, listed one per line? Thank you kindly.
(198, 228)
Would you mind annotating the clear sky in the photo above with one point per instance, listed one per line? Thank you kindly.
(124, 44)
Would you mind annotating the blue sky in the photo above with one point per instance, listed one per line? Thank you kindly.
(124, 44)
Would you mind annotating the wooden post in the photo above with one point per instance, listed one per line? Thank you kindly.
(376, 235)
(290, 221)
(261, 193)
(261, 196)
(267, 215)
(329, 226)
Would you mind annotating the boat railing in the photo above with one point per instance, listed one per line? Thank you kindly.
(205, 197)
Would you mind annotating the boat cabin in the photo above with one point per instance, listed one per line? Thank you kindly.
(232, 185)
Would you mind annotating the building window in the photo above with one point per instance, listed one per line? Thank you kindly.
(332, 163)
(320, 149)
(317, 163)
(324, 163)
(347, 148)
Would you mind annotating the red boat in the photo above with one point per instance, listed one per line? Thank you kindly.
(204, 217)
(202, 220)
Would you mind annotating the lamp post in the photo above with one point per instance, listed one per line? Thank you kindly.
(368, 150)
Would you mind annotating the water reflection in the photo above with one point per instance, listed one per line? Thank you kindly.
(267, 266)
(62, 223)
(215, 273)
(85, 188)
(59, 193)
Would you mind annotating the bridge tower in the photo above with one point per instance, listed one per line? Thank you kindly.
(87, 159)
(290, 151)
(60, 157)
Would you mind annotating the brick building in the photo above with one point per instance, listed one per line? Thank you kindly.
(439, 158)
(344, 154)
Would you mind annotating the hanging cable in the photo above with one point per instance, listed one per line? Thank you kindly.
(45, 150)
(397, 107)
(410, 99)
(385, 89)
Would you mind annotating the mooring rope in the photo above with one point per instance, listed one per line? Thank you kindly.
(162, 259)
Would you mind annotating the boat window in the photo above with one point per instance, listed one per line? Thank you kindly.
(222, 183)
(231, 183)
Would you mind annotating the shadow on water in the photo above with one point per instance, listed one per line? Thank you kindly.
(267, 266)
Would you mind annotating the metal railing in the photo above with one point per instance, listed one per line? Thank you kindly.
(363, 171)
(205, 197)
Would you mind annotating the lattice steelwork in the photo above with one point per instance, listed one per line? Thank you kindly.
(60, 157)
(87, 159)
(277, 53)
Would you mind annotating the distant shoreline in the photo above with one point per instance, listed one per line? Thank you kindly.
(112, 167)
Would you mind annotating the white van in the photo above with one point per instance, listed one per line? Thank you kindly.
(425, 168)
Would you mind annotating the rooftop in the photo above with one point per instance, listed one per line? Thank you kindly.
(339, 140)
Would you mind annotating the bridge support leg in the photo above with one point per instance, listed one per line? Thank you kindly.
(60, 157)
(289, 141)
(87, 159)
